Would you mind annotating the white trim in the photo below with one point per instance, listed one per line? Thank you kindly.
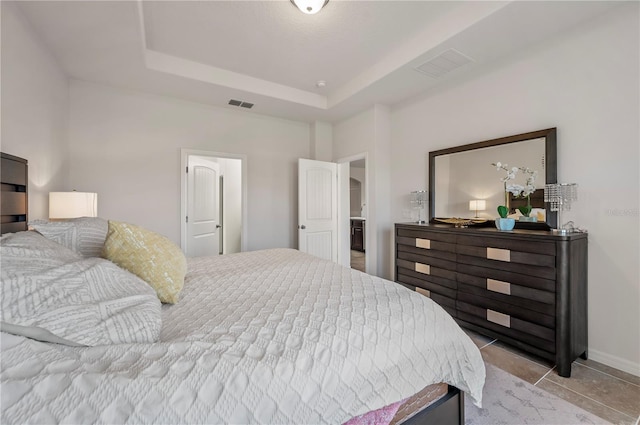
(370, 249)
(615, 362)
(184, 160)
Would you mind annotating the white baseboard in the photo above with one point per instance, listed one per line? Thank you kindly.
(614, 361)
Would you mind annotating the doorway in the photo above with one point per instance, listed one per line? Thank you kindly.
(213, 203)
(358, 215)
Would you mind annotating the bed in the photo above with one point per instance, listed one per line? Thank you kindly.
(271, 336)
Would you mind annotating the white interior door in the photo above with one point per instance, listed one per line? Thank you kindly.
(318, 208)
(203, 207)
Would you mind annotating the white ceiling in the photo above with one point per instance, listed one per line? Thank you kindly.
(270, 54)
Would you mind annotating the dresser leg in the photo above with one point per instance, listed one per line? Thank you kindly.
(584, 355)
(564, 370)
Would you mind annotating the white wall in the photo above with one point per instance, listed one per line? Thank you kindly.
(586, 84)
(369, 133)
(126, 145)
(35, 107)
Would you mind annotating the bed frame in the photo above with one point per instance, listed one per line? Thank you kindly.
(14, 196)
(447, 410)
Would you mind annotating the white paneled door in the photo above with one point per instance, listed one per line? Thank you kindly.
(318, 208)
(203, 207)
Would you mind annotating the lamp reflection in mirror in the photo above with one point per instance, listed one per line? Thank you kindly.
(418, 200)
(477, 205)
(310, 7)
(63, 205)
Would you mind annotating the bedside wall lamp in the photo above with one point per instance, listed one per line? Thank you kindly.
(73, 204)
(477, 205)
(310, 7)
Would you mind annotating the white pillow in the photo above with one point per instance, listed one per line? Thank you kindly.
(84, 235)
(53, 294)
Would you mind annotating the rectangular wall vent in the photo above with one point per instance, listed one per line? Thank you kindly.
(444, 63)
(241, 103)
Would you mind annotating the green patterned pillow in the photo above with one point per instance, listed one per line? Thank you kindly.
(148, 255)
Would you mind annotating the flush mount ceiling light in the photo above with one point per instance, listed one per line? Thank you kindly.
(310, 7)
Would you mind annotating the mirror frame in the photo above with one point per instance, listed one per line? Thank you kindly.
(551, 171)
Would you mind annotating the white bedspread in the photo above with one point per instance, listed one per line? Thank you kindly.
(273, 336)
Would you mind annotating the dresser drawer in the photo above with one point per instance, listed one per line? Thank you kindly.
(521, 245)
(439, 285)
(427, 260)
(544, 272)
(548, 309)
(477, 275)
(513, 327)
(427, 253)
(426, 239)
(547, 319)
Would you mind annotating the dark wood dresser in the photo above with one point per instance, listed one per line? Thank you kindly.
(527, 288)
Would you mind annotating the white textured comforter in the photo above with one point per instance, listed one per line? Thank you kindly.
(273, 336)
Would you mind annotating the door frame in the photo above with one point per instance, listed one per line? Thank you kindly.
(184, 160)
(344, 215)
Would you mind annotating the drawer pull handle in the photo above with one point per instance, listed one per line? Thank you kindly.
(499, 286)
(423, 268)
(424, 292)
(499, 318)
(423, 243)
(499, 254)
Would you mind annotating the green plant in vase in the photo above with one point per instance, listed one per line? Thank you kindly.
(503, 210)
(520, 191)
(504, 222)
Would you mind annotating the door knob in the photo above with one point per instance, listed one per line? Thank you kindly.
(218, 226)
(302, 227)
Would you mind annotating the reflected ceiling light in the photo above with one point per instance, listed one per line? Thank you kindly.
(310, 7)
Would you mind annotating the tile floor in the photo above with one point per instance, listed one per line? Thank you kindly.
(604, 391)
(357, 260)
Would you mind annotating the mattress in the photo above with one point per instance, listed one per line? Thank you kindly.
(273, 336)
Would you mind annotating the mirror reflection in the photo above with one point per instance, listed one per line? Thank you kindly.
(465, 183)
(464, 179)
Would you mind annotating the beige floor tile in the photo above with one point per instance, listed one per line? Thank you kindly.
(611, 371)
(514, 364)
(608, 390)
(585, 403)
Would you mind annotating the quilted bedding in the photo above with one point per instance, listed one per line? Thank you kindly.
(274, 336)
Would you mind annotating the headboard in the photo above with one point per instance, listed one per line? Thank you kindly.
(13, 196)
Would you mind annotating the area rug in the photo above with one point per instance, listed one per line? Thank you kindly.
(507, 399)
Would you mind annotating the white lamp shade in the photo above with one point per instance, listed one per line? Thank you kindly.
(309, 7)
(477, 205)
(73, 204)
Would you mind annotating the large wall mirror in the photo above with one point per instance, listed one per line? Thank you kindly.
(464, 173)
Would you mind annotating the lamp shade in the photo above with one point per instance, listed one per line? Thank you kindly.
(310, 7)
(73, 204)
(477, 205)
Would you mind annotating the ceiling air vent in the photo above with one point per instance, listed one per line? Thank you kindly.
(240, 103)
(444, 63)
